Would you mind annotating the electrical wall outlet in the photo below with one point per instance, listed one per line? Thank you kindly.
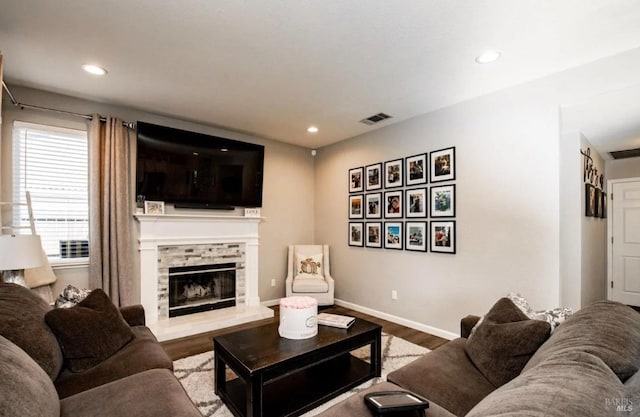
(394, 294)
(273, 282)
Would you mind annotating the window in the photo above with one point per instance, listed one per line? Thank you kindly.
(52, 164)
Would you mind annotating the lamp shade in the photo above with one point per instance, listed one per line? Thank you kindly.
(20, 252)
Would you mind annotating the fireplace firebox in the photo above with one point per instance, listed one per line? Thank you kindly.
(193, 289)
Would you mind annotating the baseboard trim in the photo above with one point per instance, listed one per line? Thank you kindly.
(270, 303)
(398, 320)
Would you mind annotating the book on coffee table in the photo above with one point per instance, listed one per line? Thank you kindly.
(335, 320)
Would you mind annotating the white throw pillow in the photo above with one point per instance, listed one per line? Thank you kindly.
(310, 265)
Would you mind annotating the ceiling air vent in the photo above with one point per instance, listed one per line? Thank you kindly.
(628, 153)
(372, 120)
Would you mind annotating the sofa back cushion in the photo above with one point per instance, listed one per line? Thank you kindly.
(571, 384)
(22, 321)
(90, 332)
(505, 340)
(25, 389)
(606, 329)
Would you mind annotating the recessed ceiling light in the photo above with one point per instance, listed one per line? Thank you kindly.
(312, 129)
(488, 56)
(224, 150)
(94, 69)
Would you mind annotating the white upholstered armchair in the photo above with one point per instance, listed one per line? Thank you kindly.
(309, 273)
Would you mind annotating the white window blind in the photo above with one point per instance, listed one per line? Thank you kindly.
(52, 164)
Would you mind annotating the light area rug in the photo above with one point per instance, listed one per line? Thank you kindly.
(197, 376)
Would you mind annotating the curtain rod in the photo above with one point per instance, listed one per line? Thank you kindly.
(130, 125)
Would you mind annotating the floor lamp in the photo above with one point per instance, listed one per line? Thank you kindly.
(17, 253)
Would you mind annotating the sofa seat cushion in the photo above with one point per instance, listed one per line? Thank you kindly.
(25, 388)
(153, 393)
(445, 376)
(310, 285)
(142, 353)
(22, 321)
(354, 406)
(505, 340)
(574, 384)
(89, 332)
(606, 329)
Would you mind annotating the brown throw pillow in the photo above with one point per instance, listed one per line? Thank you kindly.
(90, 332)
(503, 343)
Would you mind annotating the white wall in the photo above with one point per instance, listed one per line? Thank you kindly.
(288, 197)
(593, 242)
(623, 168)
(507, 210)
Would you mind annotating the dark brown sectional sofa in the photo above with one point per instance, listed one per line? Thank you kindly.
(35, 379)
(587, 367)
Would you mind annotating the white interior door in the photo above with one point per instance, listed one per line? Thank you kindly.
(624, 233)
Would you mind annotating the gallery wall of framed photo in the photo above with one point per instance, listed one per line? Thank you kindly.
(405, 204)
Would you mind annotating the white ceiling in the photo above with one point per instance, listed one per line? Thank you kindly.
(272, 68)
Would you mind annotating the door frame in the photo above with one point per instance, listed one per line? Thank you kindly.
(610, 203)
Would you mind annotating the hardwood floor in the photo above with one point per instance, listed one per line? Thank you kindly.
(192, 345)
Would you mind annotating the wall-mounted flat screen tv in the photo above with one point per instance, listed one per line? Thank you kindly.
(194, 170)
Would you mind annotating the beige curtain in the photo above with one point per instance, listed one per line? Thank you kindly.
(111, 245)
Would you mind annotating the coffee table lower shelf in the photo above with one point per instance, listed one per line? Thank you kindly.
(303, 390)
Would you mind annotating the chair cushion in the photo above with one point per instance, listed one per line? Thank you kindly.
(607, 329)
(153, 393)
(22, 321)
(141, 354)
(309, 264)
(90, 332)
(505, 340)
(574, 384)
(25, 389)
(302, 284)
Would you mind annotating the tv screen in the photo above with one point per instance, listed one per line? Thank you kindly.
(195, 170)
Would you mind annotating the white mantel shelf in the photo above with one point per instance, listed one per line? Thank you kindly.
(157, 230)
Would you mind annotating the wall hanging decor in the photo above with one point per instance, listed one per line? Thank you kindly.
(355, 207)
(443, 236)
(356, 231)
(373, 235)
(393, 173)
(443, 165)
(416, 236)
(416, 169)
(373, 175)
(416, 202)
(393, 235)
(373, 205)
(355, 180)
(443, 201)
(393, 204)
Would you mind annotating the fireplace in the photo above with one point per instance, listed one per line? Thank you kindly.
(193, 289)
(199, 241)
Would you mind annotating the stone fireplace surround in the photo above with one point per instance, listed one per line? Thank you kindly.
(197, 239)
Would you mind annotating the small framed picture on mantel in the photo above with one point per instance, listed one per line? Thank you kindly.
(153, 207)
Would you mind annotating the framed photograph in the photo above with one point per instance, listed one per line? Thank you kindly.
(443, 201)
(393, 173)
(598, 202)
(416, 233)
(373, 235)
(443, 165)
(416, 200)
(373, 204)
(373, 176)
(603, 205)
(393, 204)
(154, 207)
(393, 235)
(416, 169)
(589, 200)
(355, 207)
(443, 236)
(355, 180)
(355, 234)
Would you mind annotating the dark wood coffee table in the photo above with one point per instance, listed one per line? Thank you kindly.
(283, 377)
